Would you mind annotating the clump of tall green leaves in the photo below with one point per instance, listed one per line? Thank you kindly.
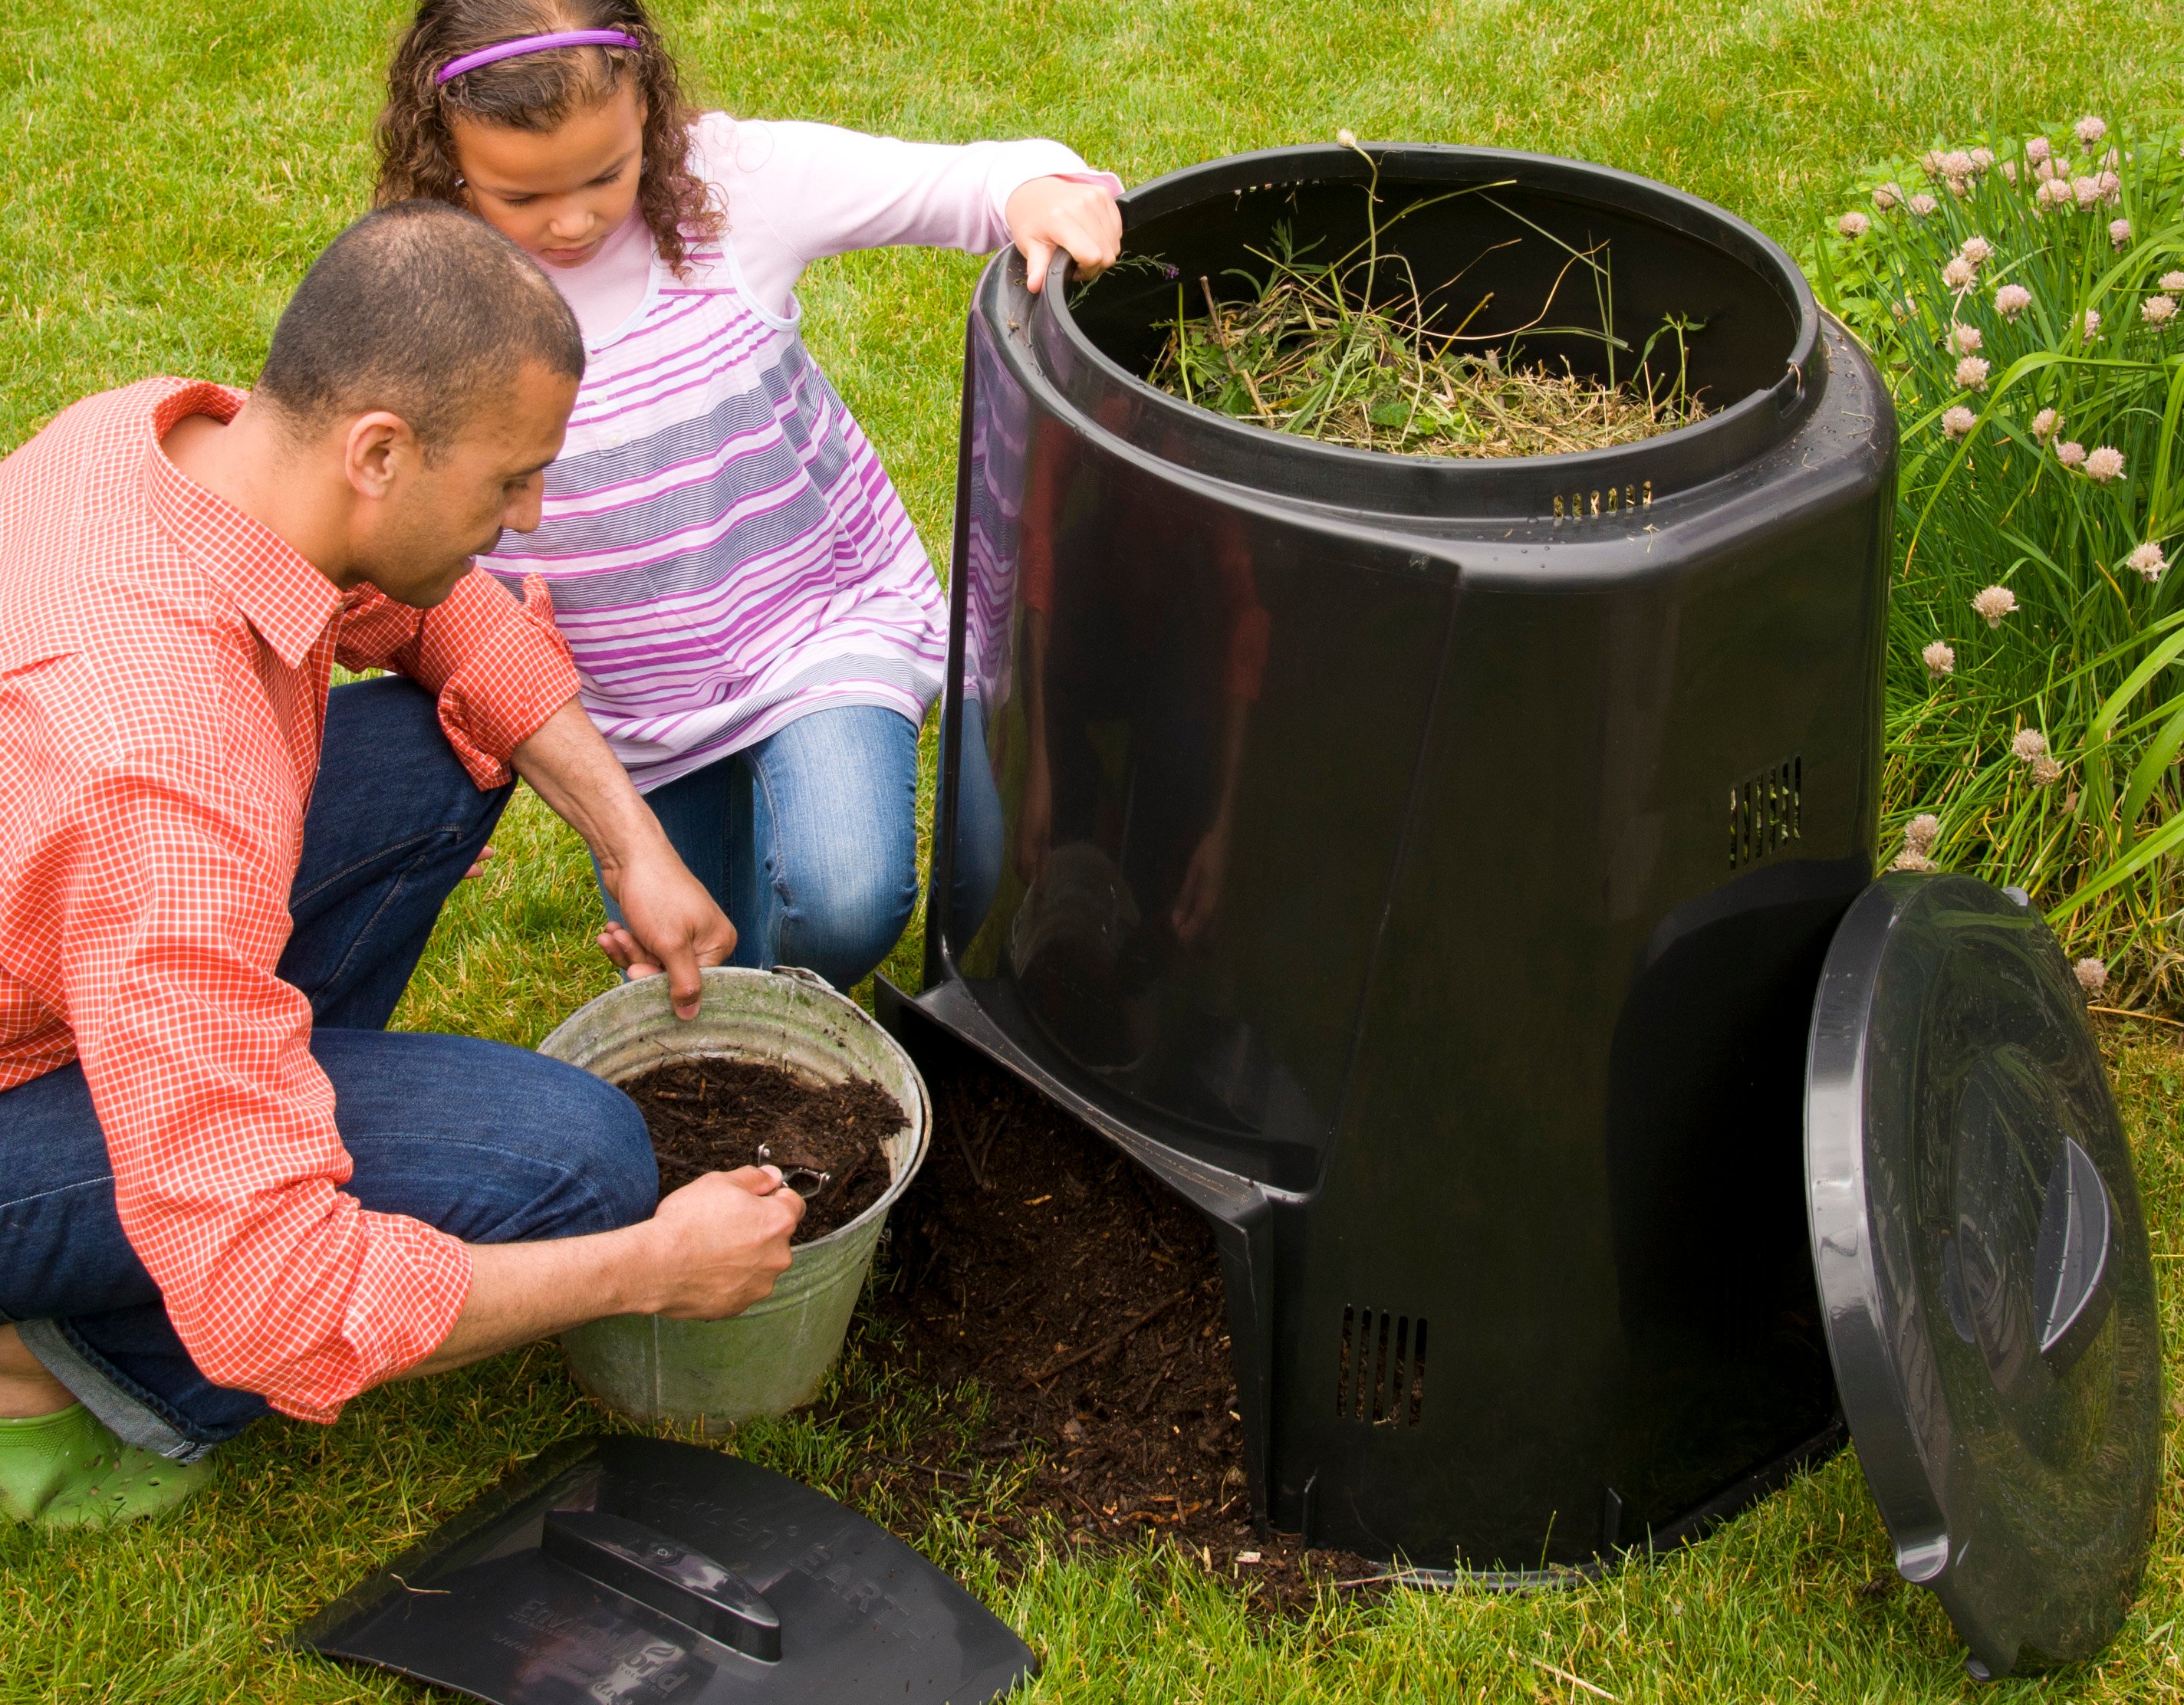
(2022, 299)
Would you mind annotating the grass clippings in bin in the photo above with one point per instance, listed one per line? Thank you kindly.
(1316, 351)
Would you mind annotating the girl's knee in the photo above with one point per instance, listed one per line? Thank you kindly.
(842, 921)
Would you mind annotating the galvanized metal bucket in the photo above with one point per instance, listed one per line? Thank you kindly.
(712, 1374)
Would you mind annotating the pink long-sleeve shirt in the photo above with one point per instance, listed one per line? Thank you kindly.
(725, 552)
(796, 192)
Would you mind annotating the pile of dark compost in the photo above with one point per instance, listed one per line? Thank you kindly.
(713, 1115)
(1087, 1298)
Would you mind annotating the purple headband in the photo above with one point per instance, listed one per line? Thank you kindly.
(535, 44)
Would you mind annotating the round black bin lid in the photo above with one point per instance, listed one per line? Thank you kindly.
(1983, 1268)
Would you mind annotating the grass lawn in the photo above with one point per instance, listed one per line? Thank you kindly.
(168, 169)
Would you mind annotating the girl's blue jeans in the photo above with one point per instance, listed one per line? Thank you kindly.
(808, 839)
(493, 1143)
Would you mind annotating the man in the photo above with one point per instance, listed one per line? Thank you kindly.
(222, 1185)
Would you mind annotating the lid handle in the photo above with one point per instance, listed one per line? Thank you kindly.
(2070, 1287)
(643, 1564)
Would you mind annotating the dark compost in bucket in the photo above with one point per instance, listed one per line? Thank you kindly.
(715, 1115)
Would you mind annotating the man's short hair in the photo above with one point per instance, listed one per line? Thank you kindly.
(421, 309)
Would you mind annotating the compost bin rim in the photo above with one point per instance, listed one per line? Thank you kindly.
(1186, 435)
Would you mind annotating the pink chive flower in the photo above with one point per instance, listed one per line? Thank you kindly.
(2029, 744)
(2052, 192)
(2092, 974)
(2089, 129)
(1853, 224)
(1921, 204)
(2009, 170)
(2104, 464)
(2012, 300)
(1971, 373)
(2085, 191)
(2038, 148)
(2045, 422)
(1957, 164)
(1888, 195)
(2158, 310)
(1981, 158)
(2070, 453)
(2046, 772)
(1958, 274)
(2111, 187)
(1940, 658)
(1919, 834)
(2148, 560)
(1957, 422)
(1977, 250)
(1994, 604)
(2173, 281)
(2118, 233)
(1965, 339)
(2089, 325)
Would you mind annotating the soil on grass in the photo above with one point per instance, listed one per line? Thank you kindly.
(716, 1115)
(1087, 1299)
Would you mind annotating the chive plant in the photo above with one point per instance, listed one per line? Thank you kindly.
(2022, 297)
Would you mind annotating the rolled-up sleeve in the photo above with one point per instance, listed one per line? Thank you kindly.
(220, 1124)
(498, 666)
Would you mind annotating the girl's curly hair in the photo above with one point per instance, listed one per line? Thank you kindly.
(536, 92)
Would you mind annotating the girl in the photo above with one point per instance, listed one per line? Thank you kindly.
(757, 631)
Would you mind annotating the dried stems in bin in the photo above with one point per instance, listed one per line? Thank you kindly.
(1316, 351)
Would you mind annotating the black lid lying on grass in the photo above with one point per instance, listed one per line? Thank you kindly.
(1984, 1267)
(630, 1570)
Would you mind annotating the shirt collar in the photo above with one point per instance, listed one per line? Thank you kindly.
(280, 593)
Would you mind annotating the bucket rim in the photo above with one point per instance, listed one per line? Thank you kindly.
(773, 980)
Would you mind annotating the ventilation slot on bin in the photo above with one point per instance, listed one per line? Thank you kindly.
(1380, 1373)
(1764, 813)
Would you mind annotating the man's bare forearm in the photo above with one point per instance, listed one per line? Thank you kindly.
(520, 1292)
(714, 1247)
(576, 773)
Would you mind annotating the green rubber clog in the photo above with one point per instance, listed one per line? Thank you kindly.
(66, 1469)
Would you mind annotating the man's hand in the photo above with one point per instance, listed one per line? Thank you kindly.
(669, 924)
(1048, 213)
(672, 924)
(721, 1241)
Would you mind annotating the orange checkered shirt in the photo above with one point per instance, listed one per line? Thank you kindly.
(163, 667)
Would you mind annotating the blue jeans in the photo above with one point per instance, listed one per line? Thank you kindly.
(808, 839)
(489, 1142)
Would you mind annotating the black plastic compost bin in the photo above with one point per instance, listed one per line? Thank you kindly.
(1426, 866)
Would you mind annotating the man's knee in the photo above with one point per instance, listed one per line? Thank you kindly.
(494, 1144)
(608, 1148)
(389, 720)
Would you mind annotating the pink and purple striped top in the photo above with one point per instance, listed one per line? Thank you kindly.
(725, 551)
